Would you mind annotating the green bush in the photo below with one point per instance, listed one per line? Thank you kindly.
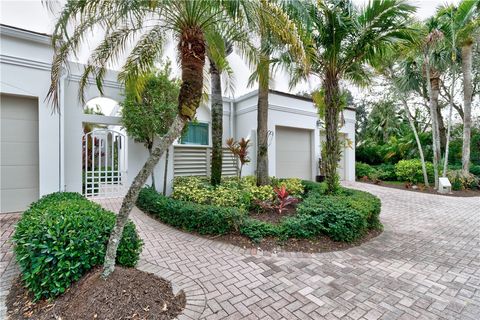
(411, 170)
(386, 172)
(475, 169)
(256, 230)
(363, 170)
(346, 215)
(62, 236)
(461, 181)
(204, 219)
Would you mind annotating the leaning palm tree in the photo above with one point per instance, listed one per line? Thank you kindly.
(344, 39)
(146, 24)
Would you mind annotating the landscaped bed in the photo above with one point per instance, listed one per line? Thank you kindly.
(127, 294)
(289, 214)
(59, 244)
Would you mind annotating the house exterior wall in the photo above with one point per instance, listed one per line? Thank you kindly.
(25, 59)
(25, 71)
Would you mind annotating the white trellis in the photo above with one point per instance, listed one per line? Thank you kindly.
(104, 164)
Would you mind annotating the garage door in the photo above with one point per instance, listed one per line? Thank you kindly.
(19, 152)
(294, 153)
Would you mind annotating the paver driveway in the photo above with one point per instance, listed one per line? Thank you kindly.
(426, 265)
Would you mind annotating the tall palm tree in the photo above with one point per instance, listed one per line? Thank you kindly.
(193, 25)
(344, 39)
(466, 22)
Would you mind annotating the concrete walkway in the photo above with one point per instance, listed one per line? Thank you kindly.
(426, 265)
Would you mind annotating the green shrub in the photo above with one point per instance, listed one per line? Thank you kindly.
(256, 230)
(461, 181)
(204, 219)
(310, 186)
(62, 236)
(475, 169)
(411, 170)
(386, 172)
(302, 226)
(363, 170)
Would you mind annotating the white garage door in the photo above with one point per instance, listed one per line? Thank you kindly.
(294, 153)
(19, 153)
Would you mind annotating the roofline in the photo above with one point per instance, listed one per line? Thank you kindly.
(16, 32)
(281, 93)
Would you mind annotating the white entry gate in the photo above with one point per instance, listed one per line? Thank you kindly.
(104, 164)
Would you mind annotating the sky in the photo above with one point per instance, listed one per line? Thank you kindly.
(33, 15)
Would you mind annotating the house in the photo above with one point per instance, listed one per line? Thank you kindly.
(44, 151)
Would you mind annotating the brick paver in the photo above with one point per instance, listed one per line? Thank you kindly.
(426, 265)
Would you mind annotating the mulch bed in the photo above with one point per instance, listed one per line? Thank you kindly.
(127, 294)
(315, 245)
(423, 189)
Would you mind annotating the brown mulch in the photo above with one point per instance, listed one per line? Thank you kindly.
(274, 245)
(127, 294)
(421, 188)
(272, 216)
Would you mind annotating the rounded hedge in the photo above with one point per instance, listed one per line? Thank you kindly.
(62, 236)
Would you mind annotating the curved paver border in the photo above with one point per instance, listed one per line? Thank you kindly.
(194, 293)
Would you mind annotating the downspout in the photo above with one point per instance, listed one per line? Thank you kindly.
(61, 109)
(232, 120)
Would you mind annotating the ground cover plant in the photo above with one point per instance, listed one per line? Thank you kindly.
(286, 210)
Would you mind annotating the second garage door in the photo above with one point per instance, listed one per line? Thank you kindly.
(294, 153)
(19, 152)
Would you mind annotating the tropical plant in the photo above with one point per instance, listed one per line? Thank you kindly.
(150, 117)
(341, 40)
(146, 24)
(239, 150)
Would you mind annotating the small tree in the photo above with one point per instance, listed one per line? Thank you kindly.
(149, 115)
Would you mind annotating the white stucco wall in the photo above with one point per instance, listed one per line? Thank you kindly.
(25, 71)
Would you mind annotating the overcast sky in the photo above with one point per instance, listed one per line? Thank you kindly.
(32, 15)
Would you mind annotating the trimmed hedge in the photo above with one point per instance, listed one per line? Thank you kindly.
(204, 219)
(345, 216)
(62, 236)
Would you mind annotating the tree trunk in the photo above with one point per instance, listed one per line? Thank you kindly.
(262, 123)
(165, 172)
(150, 146)
(467, 52)
(191, 48)
(159, 148)
(442, 130)
(217, 124)
(432, 86)
(332, 99)
(419, 144)
(449, 124)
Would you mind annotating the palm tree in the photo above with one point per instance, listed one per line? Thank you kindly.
(466, 21)
(193, 25)
(344, 39)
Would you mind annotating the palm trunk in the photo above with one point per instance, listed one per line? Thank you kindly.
(165, 172)
(449, 125)
(262, 123)
(419, 144)
(432, 86)
(442, 130)
(332, 98)
(192, 56)
(150, 146)
(467, 52)
(217, 124)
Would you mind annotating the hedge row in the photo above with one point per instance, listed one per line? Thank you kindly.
(204, 219)
(346, 216)
(62, 236)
